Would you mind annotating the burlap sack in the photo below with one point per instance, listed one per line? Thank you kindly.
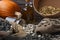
(48, 25)
(18, 29)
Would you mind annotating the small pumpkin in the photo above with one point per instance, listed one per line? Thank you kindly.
(8, 8)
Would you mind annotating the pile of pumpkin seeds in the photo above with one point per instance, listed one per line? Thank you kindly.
(49, 10)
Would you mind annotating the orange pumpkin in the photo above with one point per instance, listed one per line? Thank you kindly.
(8, 8)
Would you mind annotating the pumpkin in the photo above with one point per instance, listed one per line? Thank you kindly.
(8, 8)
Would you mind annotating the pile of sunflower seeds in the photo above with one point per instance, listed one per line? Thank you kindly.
(34, 36)
(29, 28)
(42, 37)
(4, 25)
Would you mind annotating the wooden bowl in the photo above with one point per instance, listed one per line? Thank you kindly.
(40, 3)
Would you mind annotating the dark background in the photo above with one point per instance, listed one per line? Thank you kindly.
(22, 3)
